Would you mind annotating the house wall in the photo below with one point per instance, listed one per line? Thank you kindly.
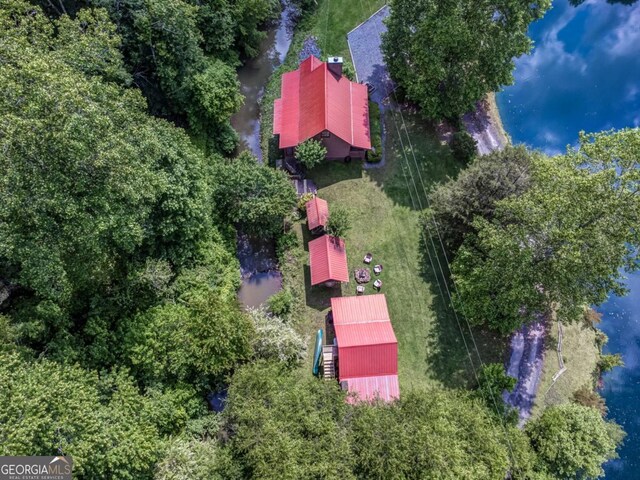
(337, 149)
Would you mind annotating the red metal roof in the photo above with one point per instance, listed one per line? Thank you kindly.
(364, 309)
(317, 213)
(384, 387)
(367, 360)
(367, 345)
(313, 99)
(359, 334)
(328, 260)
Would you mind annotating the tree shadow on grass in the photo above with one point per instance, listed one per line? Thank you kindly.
(457, 350)
(415, 160)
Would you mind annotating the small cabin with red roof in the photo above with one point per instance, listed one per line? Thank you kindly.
(318, 102)
(328, 261)
(317, 214)
(367, 348)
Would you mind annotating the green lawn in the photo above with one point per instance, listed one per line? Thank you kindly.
(384, 207)
(580, 355)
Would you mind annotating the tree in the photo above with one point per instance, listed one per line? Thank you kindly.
(197, 340)
(194, 459)
(562, 243)
(463, 146)
(492, 382)
(102, 422)
(608, 362)
(573, 441)
(252, 195)
(435, 434)
(339, 222)
(446, 55)
(476, 190)
(283, 424)
(276, 340)
(311, 153)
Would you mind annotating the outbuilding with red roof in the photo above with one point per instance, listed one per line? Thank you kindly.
(317, 214)
(328, 261)
(318, 102)
(367, 347)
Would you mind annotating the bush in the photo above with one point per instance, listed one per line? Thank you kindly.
(310, 153)
(280, 303)
(608, 362)
(339, 222)
(463, 146)
(277, 340)
(375, 155)
(302, 202)
(286, 242)
(587, 397)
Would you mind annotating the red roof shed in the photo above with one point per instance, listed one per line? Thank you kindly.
(314, 100)
(328, 260)
(317, 213)
(367, 346)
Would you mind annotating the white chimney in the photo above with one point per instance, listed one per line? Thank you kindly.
(335, 65)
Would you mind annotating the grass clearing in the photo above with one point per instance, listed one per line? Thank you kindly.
(580, 358)
(384, 206)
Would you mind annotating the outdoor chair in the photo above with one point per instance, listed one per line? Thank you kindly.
(377, 269)
(367, 258)
(360, 290)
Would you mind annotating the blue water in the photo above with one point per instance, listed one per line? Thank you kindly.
(584, 74)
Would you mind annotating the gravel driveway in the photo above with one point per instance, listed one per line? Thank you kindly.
(364, 44)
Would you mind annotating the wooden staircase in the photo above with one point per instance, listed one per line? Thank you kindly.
(328, 361)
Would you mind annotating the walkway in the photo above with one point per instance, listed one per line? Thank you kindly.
(365, 45)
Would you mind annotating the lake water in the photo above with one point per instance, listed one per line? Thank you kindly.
(584, 74)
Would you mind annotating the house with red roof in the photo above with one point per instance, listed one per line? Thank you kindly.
(318, 102)
(328, 261)
(317, 214)
(367, 348)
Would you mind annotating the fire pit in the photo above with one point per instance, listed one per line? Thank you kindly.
(362, 275)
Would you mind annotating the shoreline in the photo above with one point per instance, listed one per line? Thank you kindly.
(494, 115)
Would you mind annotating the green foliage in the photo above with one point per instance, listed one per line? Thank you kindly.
(280, 303)
(375, 154)
(197, 340)
(475, 192)
(285, 243)
(573, 441)
(492, 381)
(463, 146)
(103, 422)
(562, 242)
(608, 362)
(195, 459)
(303, 200)
(439, 434)
(276, 340)
(252, 195)
(311, 153)
(339, 222)
(216, 96)
(286, 425)
(446, 55)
